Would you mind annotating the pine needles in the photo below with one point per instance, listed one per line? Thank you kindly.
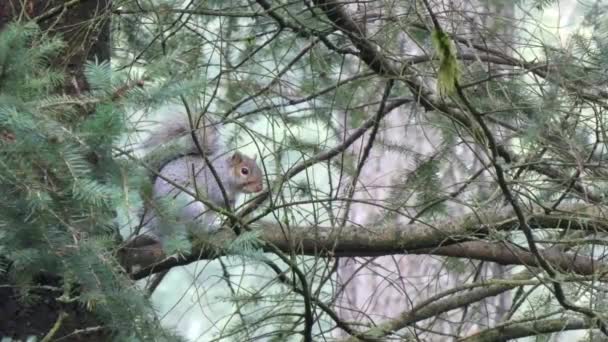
(60, 183)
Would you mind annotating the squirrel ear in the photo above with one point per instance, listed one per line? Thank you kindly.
(236, 158)
(255, 156)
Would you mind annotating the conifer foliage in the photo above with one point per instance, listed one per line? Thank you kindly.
(60, 187)
(433, 170)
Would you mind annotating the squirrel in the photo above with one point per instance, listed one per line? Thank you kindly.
(237, 173)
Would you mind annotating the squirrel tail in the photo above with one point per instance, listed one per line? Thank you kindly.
(178, 126)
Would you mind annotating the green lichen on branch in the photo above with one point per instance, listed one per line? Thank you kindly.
(448, 73)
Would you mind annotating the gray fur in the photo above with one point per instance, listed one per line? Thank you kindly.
(201, 181)
(206, 130)
(190, 172)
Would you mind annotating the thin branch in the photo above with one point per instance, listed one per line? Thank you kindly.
(55, 328)
(437, 305)
(512, 200)
(368, 148)
(376, 61)
(323, 156)
(57, 9)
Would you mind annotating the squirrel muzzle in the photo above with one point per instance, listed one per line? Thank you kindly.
(253, 187)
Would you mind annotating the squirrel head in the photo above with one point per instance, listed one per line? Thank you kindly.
(247, 174)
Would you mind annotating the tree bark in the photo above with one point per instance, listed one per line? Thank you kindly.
(83, 24)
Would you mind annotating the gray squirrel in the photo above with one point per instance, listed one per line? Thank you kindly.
(238, 174)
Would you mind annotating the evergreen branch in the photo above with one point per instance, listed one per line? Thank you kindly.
(421, 238)
(323, 156)
(497, 252)
(368, 51)
(198, 11)
(514, 203)
(122, 90)
(51, 334)
(575, 177)
(303, 291)
(57, 9)
(379, 63)
(274, 81)
(228, 279)
(302, 31)
(368, 148)
(312, 96)
(515, 330)
(523, 221)
(504, 253)
(83, 331)
(438, 304)
(453, 194)
(171, 31)
(540, 69)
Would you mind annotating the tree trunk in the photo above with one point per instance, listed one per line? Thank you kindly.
(84, 26)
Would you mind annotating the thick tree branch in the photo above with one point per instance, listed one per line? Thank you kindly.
(301, 31)
(417, 238)
(504, 253)
(518, 330)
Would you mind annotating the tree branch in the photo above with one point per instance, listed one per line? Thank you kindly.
(524, 329)
(505, 253)
(418, 238)
(502, 253)
(371, 54)
(437, 305)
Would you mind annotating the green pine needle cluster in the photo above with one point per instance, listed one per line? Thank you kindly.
(60, 183)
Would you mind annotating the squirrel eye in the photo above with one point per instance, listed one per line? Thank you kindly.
(245, 171)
